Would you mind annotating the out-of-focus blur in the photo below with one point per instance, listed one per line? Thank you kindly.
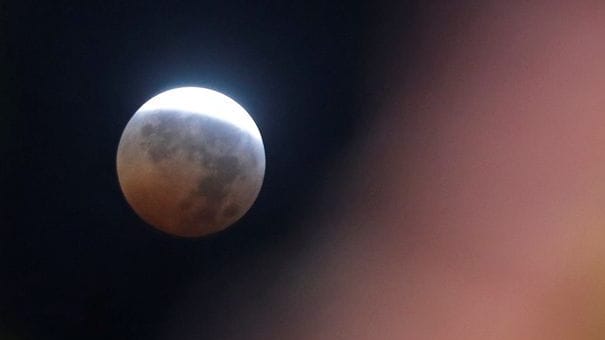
(473, 205)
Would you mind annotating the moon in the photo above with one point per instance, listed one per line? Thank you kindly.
(191, 161)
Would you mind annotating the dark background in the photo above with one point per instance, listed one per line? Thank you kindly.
(76, 262)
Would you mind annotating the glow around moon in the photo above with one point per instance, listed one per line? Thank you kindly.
(191, 161)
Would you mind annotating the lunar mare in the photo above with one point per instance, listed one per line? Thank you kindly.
(189, 173)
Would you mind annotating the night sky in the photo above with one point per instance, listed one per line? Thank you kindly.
(434, 171)
(76, 261)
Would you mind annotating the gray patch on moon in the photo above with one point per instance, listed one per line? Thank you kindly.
(159, 140)
(222, 152)
(231, 210)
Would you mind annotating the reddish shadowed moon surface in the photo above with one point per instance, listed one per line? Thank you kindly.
(191, 161)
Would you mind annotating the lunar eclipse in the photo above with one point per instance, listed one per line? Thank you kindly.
(191, 161)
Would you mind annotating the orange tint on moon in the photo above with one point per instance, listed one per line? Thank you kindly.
(191, 162)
